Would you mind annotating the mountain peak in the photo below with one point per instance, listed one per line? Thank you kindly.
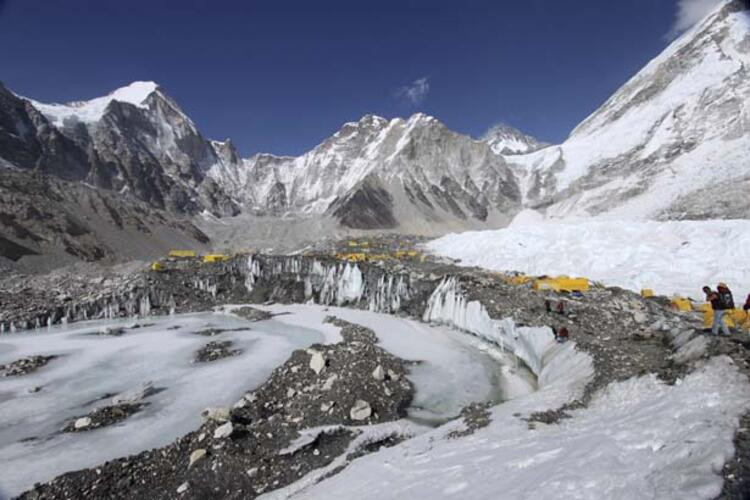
(135, 93)
(370, 118)
(92, 110)
(504, 139)
(421, 118)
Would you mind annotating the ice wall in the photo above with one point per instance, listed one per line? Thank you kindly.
(285, 278)
(139, 300)
(332, 283)
(448, 305)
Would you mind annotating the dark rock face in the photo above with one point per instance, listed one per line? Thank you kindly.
(212, 195)
(14, 251)
(369, 207)
(29, 141)
(129, 150)
(43, 215)
(155, 153)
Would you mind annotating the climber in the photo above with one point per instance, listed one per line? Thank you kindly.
(721, 301)
(725, 294)
(561, 335)
(746, 307)
(561, 307)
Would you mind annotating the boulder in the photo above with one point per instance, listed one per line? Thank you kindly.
(196, 455)
(216, 414)
(317, 362)
(223, 431)
(361, 410)
(82, 423)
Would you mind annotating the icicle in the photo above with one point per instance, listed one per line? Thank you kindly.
(145, 305)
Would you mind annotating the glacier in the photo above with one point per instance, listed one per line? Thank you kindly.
(671, 257)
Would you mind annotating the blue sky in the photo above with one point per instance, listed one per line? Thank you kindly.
(280, 76)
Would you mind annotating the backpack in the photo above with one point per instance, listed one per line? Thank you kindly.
(726, 301)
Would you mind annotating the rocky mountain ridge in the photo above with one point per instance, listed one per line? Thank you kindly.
(378, 173)
(46, 222)
(374, 173)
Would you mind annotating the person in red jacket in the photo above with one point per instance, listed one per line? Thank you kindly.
(561, 334)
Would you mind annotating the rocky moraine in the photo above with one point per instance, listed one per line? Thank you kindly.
(243, 451)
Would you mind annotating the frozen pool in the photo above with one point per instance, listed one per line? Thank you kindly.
(454, 370)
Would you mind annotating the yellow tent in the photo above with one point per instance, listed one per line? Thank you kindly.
(215, 257)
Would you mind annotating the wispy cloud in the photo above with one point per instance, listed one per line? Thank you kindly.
(415, 92)
(690, 12)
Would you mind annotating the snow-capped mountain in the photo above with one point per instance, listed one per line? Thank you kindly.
(136, 140)
(28, 140)
(377, 173)
(672, 143)
(506, 140)
(410, 174)
(86, 180)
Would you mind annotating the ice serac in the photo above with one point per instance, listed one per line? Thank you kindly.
(672, 143)
(333, 283)
(413, 175)
(449, 305)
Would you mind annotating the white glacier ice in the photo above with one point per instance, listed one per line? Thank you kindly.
(451, 374)
(668, 257)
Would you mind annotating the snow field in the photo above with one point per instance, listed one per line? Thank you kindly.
(637, 439)
(675, 257)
